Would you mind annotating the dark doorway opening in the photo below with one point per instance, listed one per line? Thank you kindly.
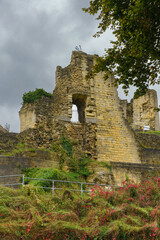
(80, 101)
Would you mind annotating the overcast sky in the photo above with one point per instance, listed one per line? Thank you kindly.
(35, 37)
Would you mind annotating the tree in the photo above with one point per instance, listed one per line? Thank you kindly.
(135, 56)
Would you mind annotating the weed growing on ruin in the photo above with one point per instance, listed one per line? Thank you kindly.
(32, 96)
(80, 166)
(76, 165)
(20, 147)
(104, 164)
(67, 146)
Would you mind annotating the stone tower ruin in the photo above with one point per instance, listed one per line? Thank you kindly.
(107, 125)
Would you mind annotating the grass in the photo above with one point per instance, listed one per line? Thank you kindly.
(130, 212)
(104, 164)
(152, 132)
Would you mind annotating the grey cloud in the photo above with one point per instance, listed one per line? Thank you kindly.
(10, 117)
(33, 41)
(35, 37)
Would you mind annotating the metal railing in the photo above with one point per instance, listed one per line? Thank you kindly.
(53, 188)
(12, 184)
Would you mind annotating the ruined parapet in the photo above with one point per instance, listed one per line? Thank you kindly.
(144, 113)
(34, 115)
(72, 87)
(27, 116)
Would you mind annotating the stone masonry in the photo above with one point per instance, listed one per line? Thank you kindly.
(142, 112)
(105, 130)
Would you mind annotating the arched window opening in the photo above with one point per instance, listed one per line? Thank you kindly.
(80, 101)
(75, 116)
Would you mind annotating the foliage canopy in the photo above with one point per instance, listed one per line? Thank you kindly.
(135, 56)
(32, 96)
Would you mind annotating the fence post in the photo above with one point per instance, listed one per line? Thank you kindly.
(53, 188)
(23, 181)
(81, 189)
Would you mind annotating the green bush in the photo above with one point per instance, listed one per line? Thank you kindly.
(67, 146)
(78, 166)
(32, 96)
(50, 174)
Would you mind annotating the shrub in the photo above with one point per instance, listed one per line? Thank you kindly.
(67, 145)
(50, 174)
(32, 96)
(118, 214)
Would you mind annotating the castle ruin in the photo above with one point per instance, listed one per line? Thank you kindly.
(109, 129)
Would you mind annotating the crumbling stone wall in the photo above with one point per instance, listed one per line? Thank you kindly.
(142, 112)
(150, 156)
(150, 148)
(104, 129)
(27, 117)
(73, 88)
(34, 115)
(134, 171)
(53, 116)
(147, 140)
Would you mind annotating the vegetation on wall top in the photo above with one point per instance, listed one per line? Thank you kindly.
(32, 96)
